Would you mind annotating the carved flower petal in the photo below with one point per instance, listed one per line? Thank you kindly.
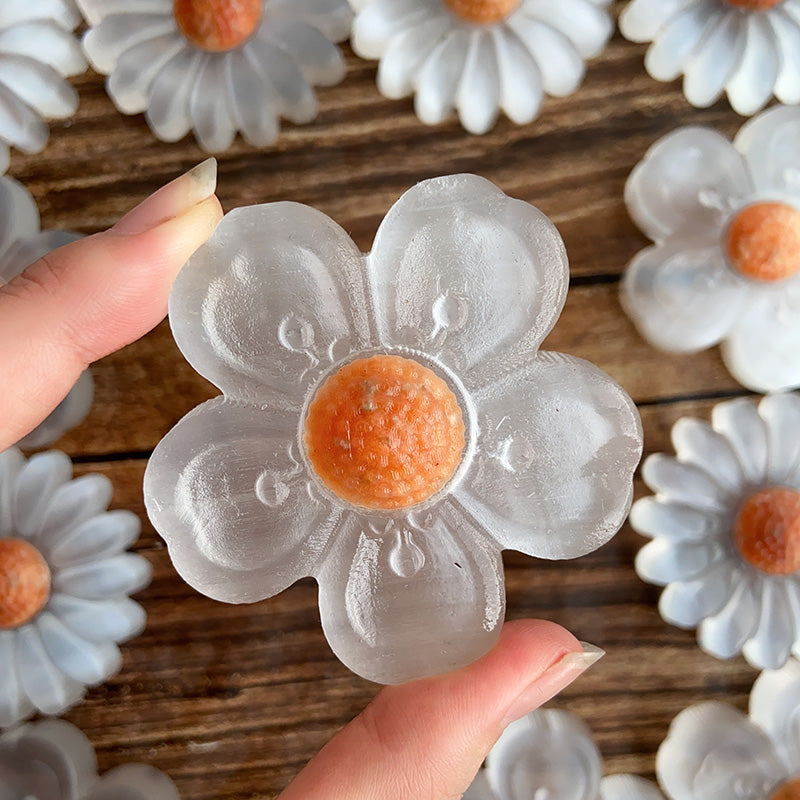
(460, 269)
(270, 295)
(628, 787)
(560, 441)
(225, 489)
(400, 603)
(134, 782)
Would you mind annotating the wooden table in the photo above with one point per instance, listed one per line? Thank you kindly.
(231, 701)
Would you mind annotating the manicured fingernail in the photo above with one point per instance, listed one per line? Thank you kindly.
(556, 677)
(172, 200)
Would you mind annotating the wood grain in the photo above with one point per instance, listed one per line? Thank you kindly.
(232, 700)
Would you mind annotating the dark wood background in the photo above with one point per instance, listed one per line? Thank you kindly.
(231, 701)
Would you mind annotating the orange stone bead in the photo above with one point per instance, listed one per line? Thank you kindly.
(217, 25)
(763, 242)
(24, 582)
(754, 5)
(384, 432)
(767, 531)
(790, 790)
(482, 12)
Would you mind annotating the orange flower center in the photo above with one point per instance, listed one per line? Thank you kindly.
(217, 25)
(482, 12)
(767, 530)
(754, 5)
(24, 582)
(764, 241)
(384, 432)
(787, 791)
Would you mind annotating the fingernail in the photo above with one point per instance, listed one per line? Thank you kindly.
(556, 677)
(172, 200)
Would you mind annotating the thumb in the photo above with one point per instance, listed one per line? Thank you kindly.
(425, 740)
(89, 298)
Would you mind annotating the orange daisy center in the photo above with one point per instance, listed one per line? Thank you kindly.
(754, 5)
(24, 582)
(384, 432)
(767, 531)
(763, 242)
(790, 790)
(217, 25)
(481, 12)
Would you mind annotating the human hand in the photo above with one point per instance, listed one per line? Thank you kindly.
(421, 741)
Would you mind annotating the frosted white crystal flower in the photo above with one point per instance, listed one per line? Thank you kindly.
(551, 754)
(725, 267)
(480, 56)
(53, 760)
(64, 581)
(388, 424)
(725, 524)
(748, 48)
(37, 51)
(217, 66)
(21, 243)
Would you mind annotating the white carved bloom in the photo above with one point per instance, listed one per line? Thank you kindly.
(749, 49)
(725, 263)
(217, 66)
(480, 57)
(38, 50)
(725, 529)
(64, 584)
(21, 243)
(462, 285)
(53, 760)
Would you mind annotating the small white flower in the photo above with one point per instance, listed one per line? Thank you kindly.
(725, 267)
(747, 48)
(725, 524)
(479, 56)
(64, 581)
(53, 759)
(217, 66)
(21, 243)
(37, 51)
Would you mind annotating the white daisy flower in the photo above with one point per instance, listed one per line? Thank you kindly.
(21, 243)
(747, 48)
(37, 51)
(53, 759)
(64, 581)
(479, 56)
(217, 66)
(388, 424)
(725, 267)
(725, 524)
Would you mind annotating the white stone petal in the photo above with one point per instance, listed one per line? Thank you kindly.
(696, 442)
(685, 484)
(81, 660)
(134, 782)
(254, 103)
(548, 753)
(319, 60)
(686, 185)
(96, 11)
(47, 688)
(663, 560)
(382, 20)
(750, 85)
(628, 787)
(437, 80)
(209, 108)
(38, 481)
(787, 32)
(478, 94)
(553, 478)
(685, 603)
(781, 414)
(770, 646)
(712, 749)
(5, 156)
(585, 24)
(462, 271)
(405, 603)
(680, 39)
(99, 620)
(682, 300)
(20, 125)
(521, 89)
(724, 634)
(739, 422)
(168, 107)
(117, 33)
(226, 489)
(642, 20)
(332, 17)
(47, 42)
(775, 707)
(244, 326)
(653, 518)
(13, 12)
(14, 703)
(97, 537)
(11, 464)
(19, 220)
(104, 579)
